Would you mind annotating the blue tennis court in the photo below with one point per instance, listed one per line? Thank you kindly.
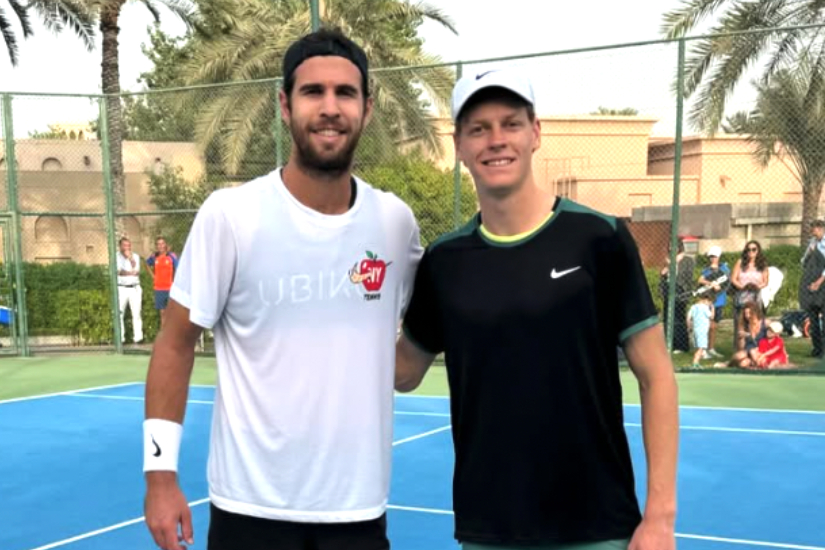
(70, 474)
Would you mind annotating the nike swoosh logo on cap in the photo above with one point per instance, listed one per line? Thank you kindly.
(482, 75)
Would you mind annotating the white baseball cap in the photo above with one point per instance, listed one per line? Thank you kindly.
(777, 327)
(715, 251)
(472, 82)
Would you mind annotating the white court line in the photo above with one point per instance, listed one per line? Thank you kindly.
(68, 392)
(134, 521)
(749, 542)
(738, 409)
(678, 535)
(690, 407)
(114, 527)
(446, 415)
(205, 402)
(130, 398)
(419, 436)
(697, 407)
(416, 413)
(740, 430)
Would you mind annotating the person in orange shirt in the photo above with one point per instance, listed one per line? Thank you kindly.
(162, 265)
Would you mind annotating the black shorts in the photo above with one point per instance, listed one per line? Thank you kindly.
(229, 531)
(717, 313)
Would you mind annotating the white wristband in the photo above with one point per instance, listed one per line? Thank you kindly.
(161, 445)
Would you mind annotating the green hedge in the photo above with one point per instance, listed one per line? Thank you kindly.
(74, 299)
(71, 299)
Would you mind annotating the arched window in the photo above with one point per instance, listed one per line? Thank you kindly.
(51, 229)
(51, 164)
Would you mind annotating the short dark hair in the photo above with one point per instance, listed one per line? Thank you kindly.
(325, 41)
(818, 223)
(124, 240)
(493, 93)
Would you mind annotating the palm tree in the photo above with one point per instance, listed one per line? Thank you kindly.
(56, 15)
(716, 63)
(788, 125)
(251, 47)
(108, 13)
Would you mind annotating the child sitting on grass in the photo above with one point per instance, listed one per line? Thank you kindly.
(771, 353)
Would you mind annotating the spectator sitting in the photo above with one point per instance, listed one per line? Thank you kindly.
(752, 328)
(771, 353)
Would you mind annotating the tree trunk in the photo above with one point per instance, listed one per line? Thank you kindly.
(109, 30)
(811, 194)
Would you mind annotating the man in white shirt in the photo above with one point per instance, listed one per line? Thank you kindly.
(305, 334)
(128, 289)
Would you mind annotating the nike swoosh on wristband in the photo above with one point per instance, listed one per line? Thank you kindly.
(157, 447)
(556, 274)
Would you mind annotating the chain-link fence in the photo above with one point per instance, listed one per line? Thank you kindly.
(89, 178)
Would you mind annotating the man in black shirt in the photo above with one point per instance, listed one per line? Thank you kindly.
(528, 302)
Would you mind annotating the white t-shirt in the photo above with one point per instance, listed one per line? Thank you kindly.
(304, 308)
(123, 264)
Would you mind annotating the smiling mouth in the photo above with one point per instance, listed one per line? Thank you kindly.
(328, 132)
(498, 162)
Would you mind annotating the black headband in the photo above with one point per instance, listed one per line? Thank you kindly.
(339, 46)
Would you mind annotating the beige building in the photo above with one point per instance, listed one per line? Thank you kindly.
(614, 164)
(611, 163)
(62, 196)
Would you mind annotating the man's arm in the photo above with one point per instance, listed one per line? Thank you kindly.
(167, 388)
(170, 367)
(411, 364)
(649, 360)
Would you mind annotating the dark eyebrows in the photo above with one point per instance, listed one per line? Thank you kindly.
(347, 89)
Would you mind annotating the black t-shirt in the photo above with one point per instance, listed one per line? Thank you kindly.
(529, 330)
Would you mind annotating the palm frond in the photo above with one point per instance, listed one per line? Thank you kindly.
(252, 44)
(728, 57)
(152, 9)
(8, 37)
(20, 11)
(250, 109)
(184, 9)
(679, 22)
(75, 15)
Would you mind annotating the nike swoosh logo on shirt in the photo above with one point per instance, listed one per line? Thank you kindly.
(556, 274)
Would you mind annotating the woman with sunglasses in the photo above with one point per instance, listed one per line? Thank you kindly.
(750, 276)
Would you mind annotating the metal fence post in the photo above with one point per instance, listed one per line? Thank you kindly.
(279, 125)
(110, 223)
(457, 169)
(677, 180)
(315, 15)
(16, 227)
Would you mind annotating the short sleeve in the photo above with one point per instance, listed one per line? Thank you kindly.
(414, 252)
(422, 321)
(150, 261)
(206, 268)
(635, 309)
